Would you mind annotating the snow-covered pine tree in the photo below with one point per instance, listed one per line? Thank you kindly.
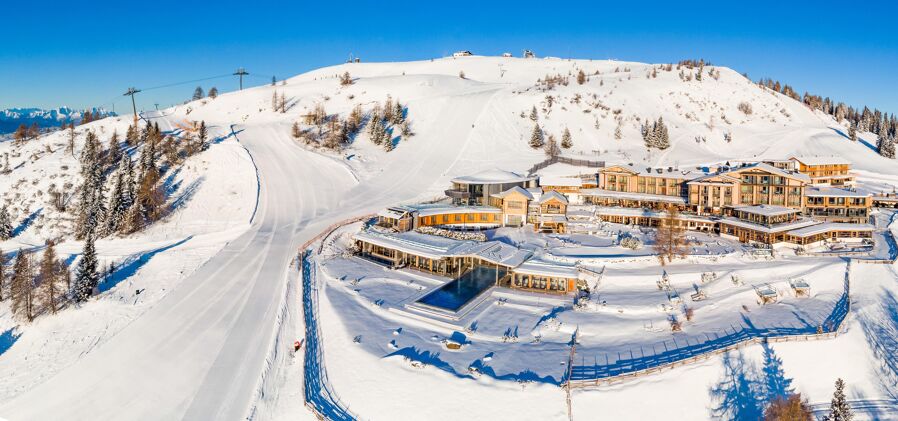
(198, 93)
(852, 132)
(22, 287)
(551, 148)
(49, 289)
(406, 129)
(650, 134)
(2, 275)
(114, 153)
(346, 79)
(388, 109)
(295, 131)
(566, 141)
(618, 135)
(115, 211)
(662, 137)
(536, 137)
(131, 135)
(398, 114)
(90, 197)
(379, 133)
(388, 142)
(5, 224)
(213, 92)
(534, 116)
(885, 147)
(86, 276)
(839, 409)
(581, 77)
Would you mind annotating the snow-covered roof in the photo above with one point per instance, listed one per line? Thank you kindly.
(827, 191)
(829, 227)
(771, 169)
(666, 172)
(551, 218)
(540, 267)
(561, 181)
(437, 247)
(493, 176)
(766, 210)
(821, 160)
(552, 195)
(394, 212)
(515, 189)
(800, 223)
(633, 196)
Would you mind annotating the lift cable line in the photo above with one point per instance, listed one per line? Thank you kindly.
(241, 72)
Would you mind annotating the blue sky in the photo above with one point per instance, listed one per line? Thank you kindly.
(85, 54)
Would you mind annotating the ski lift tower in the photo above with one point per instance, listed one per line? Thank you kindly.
(241, 72)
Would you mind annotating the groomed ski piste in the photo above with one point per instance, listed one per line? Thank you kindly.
(206, 336)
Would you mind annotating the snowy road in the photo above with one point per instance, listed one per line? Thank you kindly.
(200, 352)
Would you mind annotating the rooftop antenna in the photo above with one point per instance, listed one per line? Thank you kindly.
(241, 72)
(131, 92)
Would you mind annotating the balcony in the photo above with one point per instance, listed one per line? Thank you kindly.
(458, 194)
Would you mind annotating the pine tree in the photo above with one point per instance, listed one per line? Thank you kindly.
(388, 142)
(534, 116)
(581, 77)
(406, 130)
(131, 135)
(114, 154)
(885, 147)
(662, 137)
(398, 114)
(617, 132)
(22, 287)
(115, 211)
(379, 133)
(202, 133)
(198, 93)
(213, 92)
(788, 408)
(346, 79)
(566, 141)
(388, 110)
(90, 205)
(5, 224)
(86, 276)
(2, 275)
(839, 409)
(50, 290)
(852, 132)
(536, 137)
(551, 148)
(296, 132)
(70, 145)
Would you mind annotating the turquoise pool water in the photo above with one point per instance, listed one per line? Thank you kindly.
(455, 294)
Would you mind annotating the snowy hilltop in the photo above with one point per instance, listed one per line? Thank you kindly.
(197, 212)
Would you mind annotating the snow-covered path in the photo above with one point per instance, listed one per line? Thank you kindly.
(199, 353)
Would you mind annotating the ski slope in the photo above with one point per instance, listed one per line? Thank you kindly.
(199, 351)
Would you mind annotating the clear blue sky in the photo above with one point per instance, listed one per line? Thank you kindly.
(87, 53)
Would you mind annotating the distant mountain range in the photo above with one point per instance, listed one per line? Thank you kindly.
(11, 118)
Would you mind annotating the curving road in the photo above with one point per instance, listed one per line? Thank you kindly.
(199, 353)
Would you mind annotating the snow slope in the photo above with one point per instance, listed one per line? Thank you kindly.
(199, 351)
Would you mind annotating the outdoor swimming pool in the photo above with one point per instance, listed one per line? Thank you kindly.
(455, 294)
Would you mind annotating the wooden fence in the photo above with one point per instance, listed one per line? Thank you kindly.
(563, 160)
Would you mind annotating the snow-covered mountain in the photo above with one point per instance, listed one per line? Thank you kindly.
(11, 118)
(256, 194)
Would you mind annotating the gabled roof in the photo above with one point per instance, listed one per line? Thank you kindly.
(820, 160)
(767, 210)
(772, 170)
(711, 178)
(516, 189)
(828, 191)
(552, 195)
